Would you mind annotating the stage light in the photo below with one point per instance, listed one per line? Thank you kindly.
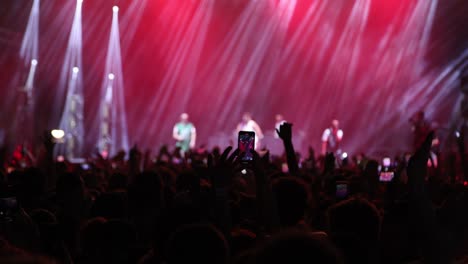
(57, 133)
(34, 62)
(76, 70)
(457, 134)
(344, 155)
(111, 76)
(115, 9)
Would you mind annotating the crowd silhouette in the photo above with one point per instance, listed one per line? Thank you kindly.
(207, 207)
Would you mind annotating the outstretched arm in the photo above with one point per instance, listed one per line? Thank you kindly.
(285, 133)
(421, 212)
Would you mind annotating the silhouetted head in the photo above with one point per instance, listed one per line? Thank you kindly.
(292, 198)
(298, 247)
(357, 217)
(198, 243)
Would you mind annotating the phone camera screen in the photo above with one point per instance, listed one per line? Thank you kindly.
(386, 176)
(341, 190)
(246, 145)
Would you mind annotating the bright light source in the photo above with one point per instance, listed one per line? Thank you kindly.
(244, 171)
(344, 155)
(76, 69)
(57, 133)
(111, 76)
(457, 134)
(115, 9)
(80, 1)
(34, 62)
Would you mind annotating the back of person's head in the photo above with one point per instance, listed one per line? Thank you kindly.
(111, 205)
(69, 185)
(119, 240)
(292, 198)
(197, 243)
(10, 254)
(108, 241)
(355, 216)
(117, 181)
(298, 247)
(90, 237)
(355, 228)
(145, 192)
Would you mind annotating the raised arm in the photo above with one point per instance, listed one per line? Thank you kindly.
(285, 133)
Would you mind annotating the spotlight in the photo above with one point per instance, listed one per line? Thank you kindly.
(34, 62)
(115, 9)
(57, 133)
(344, 155)
(76, 70)
(111, 76)
(457, 134)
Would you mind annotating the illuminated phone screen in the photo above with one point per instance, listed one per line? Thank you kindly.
(246, 143)
(386, 176)
(341, 189)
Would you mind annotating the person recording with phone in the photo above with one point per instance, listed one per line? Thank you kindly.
(331, 139)
(185, 134)
(248, 124)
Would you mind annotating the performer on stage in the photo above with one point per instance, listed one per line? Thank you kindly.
(185, 134)
(248, 124)
(420, 128)
(331, 138)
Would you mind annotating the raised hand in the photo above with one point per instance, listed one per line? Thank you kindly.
(285, 131)
(222, 169)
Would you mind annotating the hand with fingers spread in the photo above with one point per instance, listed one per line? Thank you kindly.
(222, 169)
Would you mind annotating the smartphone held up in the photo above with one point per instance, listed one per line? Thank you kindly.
(246, 144)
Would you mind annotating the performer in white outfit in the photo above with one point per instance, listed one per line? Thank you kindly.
(331, 138)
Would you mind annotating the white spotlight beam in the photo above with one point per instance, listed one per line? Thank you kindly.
(30, 44)
(71, 80)
(111, 120)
